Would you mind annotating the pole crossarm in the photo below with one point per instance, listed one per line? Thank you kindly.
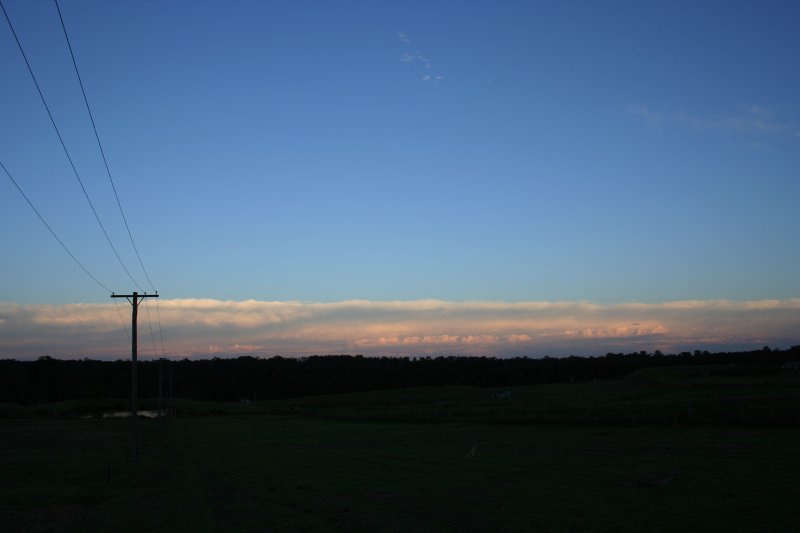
(135, 296)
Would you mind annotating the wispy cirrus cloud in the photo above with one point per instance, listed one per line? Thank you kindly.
(413, 57)
(402, 328)
(747, 120)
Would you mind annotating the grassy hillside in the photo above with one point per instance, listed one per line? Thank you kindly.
(692, 449)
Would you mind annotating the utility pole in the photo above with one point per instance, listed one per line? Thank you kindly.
(134, 299)
(160, 387)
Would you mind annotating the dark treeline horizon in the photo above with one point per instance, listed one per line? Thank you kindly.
(47, 380)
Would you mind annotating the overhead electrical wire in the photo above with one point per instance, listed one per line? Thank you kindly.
(64, 146)
(64, 246)
(53, 233)
(121, 320)
(150, 323)
(111, 180)
(80, 182)
(100, 145)
(160, 330)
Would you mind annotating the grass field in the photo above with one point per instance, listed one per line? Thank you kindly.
(664, 449)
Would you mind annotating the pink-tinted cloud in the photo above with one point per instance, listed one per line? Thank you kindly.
(419, 327)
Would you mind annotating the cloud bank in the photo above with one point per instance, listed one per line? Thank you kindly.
(203, 327)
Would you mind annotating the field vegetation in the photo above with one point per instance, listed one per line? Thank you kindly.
(707, 447)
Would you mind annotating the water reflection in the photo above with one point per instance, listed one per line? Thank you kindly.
(127, 414)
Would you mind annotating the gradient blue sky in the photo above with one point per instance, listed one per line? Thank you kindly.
(609, 152)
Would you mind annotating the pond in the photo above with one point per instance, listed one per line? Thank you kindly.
(127, 414)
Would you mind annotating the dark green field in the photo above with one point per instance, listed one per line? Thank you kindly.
(694, 449)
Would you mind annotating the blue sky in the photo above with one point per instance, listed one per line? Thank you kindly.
(612, 153)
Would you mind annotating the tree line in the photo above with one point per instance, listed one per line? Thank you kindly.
(48, 379)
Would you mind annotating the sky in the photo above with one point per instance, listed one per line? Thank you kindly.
(415, 178)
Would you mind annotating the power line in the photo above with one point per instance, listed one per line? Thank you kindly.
(150, 322)
(100, 145)
(160, 331)
(53, 233)
(121, 321)
(64, 146)
(111, 180)
(64, 246)
(80, 181)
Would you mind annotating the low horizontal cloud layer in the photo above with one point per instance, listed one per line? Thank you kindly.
(202, 327)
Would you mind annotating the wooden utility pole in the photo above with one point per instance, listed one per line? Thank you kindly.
(160, 387)
(134, 299)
